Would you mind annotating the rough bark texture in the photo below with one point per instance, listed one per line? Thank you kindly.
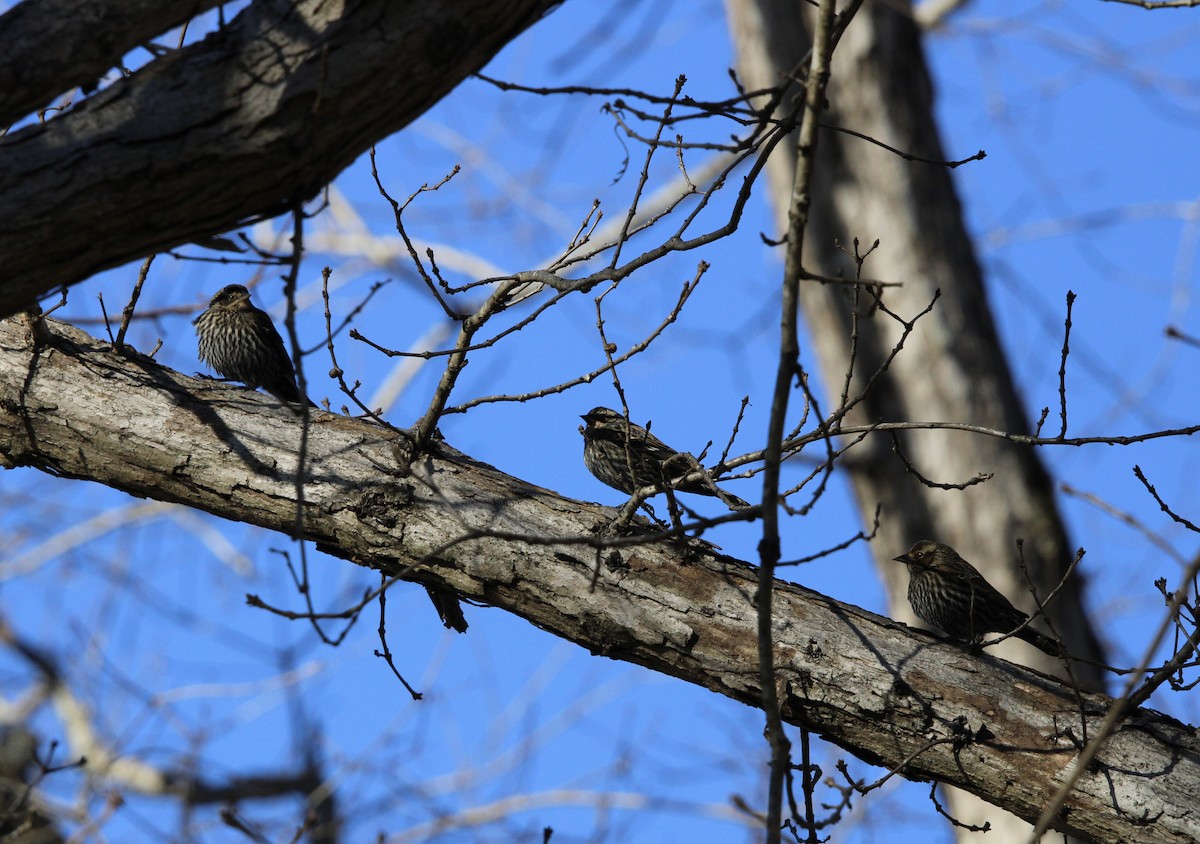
(248, 121)
(953, 368)
(70, 406)
(51, 46)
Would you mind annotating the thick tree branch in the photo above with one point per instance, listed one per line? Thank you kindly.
(70, 406)
(272, 107)
(51, 46)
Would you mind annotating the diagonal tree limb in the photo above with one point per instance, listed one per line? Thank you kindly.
(272, 107)
(70, 406)
(52, 46)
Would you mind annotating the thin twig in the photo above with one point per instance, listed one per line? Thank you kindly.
(1062, 368)
(127, 313)
(609, 364)
(907, 156)
(787, 370)
(644, 176)
(979, 478)
(386, 653)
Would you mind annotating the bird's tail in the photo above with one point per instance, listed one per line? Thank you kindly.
(1042, 643)
(730, 500)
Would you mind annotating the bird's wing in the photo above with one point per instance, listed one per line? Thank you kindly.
(267, 329)
(978, 584)
(641, 440)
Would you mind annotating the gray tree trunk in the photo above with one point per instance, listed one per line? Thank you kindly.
(953, 367)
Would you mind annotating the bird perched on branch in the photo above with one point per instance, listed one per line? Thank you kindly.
(627, 457)
(240, 342)
(947, 592)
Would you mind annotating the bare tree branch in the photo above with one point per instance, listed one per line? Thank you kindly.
(859, 680)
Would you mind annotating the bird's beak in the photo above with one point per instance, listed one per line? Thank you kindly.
(903, 558)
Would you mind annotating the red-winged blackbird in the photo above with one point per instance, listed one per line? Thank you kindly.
(239, 342)
(947, 592)
(627, 457)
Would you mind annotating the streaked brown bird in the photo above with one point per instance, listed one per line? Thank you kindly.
(627, 457)
(240, 342)
(947, 592)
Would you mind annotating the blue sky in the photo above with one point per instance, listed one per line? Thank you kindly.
(1088, 114)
